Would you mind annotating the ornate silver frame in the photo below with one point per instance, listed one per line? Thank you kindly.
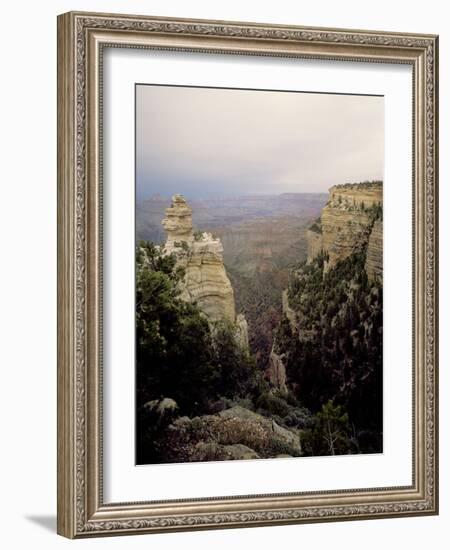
(81, 37)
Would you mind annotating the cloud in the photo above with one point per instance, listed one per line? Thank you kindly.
(205, 142)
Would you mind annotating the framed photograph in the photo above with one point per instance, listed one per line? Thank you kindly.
(247, 276)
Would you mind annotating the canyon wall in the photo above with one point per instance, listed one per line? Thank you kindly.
(346, 223)
(374, 256)
(314, 242)
(350, 222)
(367, 194)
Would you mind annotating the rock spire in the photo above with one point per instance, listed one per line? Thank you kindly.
(206, 282)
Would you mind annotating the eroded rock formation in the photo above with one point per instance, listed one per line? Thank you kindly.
(277, 370)
(346, 222)
(277, 365)
(178, 224)
(206, 282)
(350, 222)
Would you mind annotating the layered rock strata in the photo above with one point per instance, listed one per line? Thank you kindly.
(366, 194)
(206, 282)
(345, 226)
(374, 256)
(345, 223)
(314, 242)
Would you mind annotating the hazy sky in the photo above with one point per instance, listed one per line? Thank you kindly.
(204, 142)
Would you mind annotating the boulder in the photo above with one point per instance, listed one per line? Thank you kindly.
(345, 222)
(211, 450)
(233, 434)
(239, 452)
(277, 433)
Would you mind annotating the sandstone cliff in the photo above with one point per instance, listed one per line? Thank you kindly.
(367, 193)
(314, 240)
(206, 282)
(350, 222)
(374, 256)
(346, 222)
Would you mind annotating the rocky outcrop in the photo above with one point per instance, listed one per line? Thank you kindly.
(346, 222)
(178, 224)
(374, 256)
(314, 243)
(365, 194)
(205, 282)
(344, 232)
(277, 371)
(236, 433)
(161, 410)
(241, 331)
(287, 437)
(351, 221)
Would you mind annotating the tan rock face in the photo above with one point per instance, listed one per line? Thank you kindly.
(201, 255)
(374, 258)
(277, 368)
(344, 232)
(289, 437)
(350, 222)
(358, 194)
(242, 331)
(314, 244)
(178, 223)
(345, 222)
(206, 281)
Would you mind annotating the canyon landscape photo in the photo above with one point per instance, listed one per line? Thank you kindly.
(259, 274)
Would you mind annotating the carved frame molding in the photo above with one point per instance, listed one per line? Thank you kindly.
(81, 37)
